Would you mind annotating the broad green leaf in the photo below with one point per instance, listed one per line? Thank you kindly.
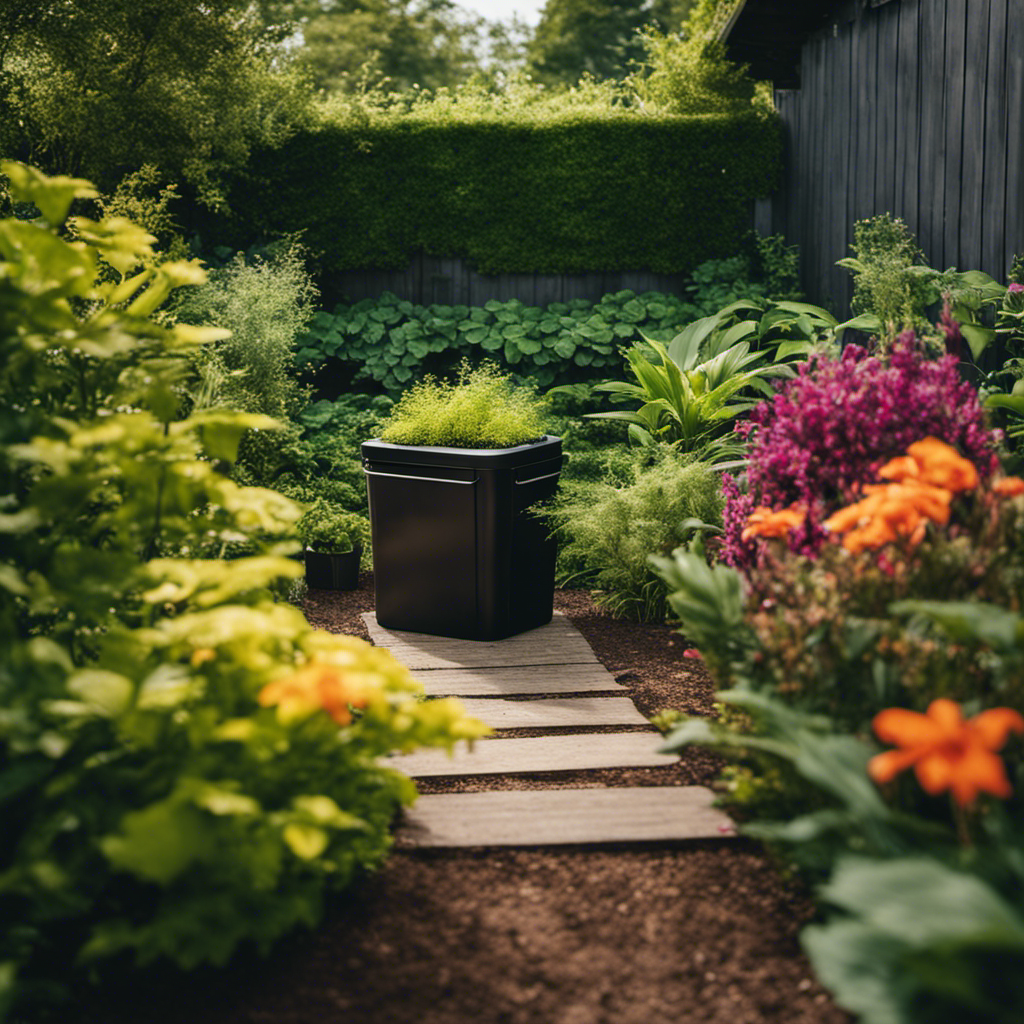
(861, 968)
(1014, 403)
(159, 842)
(109, 692)
(324, 811)
(738, 332)
(53, 195)
(978, 338)
(684, 349)
(793, 348)
(805, 308)
(222, 801)
(867, 322)
(920, 901)
(307, 842)
(984, 623)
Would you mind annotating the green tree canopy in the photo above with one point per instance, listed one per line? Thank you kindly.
(424, 43)
(101, 87)
(597, 37)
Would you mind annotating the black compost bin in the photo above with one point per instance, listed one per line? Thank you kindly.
(333, 571)
(456, 549)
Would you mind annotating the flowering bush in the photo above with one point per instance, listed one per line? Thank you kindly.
(828, 431)
(917, 850)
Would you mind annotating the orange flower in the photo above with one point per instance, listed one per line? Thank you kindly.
(763, 522)
(312, 688)
(945, 751)
(932, 461)
(875, 533)
(1008, 487)
(890, 511)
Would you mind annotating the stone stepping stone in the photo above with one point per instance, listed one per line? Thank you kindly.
(539, 714)
(537, 754)
(557, 643)
(560, 816)
(513, 681)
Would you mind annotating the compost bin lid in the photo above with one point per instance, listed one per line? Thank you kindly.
(548, 447)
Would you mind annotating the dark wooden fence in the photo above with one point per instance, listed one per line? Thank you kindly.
(430, 279)
(915, 108)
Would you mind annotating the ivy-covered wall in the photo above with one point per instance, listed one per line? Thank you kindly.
(578, 193)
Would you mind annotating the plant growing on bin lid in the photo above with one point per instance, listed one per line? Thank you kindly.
(327, 528)
(483, 408)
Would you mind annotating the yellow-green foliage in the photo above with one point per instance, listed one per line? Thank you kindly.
(607, 529)
(691, 76)
(185, 765)
(482, 409)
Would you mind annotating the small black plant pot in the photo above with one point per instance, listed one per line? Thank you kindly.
(333, 572)
(457, 549)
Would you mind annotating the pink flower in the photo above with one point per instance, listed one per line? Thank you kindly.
(1015, 287)
(825, 433)
(692, 652)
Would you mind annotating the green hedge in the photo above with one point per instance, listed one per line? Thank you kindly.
(567, 194)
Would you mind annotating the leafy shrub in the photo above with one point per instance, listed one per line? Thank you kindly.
(827, 431)
(266, 305)
(481, 409)
(328, 528)
(885, 284)
(608, 527)
(920, 893)
(391, 341)
(317, 455)
(689, 75)
(173, 776)
(539, 189)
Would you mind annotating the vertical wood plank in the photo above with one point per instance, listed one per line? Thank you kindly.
(1014, 219)
(808, 181)
(908, 114)
(975, 146)
(864, 196)
(837, 296)
(932, 156)
(889, 57)
(787, 104)
(956, 70)
(994, 187)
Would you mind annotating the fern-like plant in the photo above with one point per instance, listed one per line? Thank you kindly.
(607, 529)
(481, 409)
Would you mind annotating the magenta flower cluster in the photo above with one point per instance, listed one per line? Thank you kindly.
(829, 429)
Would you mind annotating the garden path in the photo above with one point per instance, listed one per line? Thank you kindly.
(545, 679)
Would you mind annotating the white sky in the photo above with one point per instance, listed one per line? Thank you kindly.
(502, 10)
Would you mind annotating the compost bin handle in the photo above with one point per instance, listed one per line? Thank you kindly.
(534, 479)
(432, 479)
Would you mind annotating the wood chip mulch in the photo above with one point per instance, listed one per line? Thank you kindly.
(686, 933)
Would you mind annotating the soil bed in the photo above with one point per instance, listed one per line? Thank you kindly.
(664, 934)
